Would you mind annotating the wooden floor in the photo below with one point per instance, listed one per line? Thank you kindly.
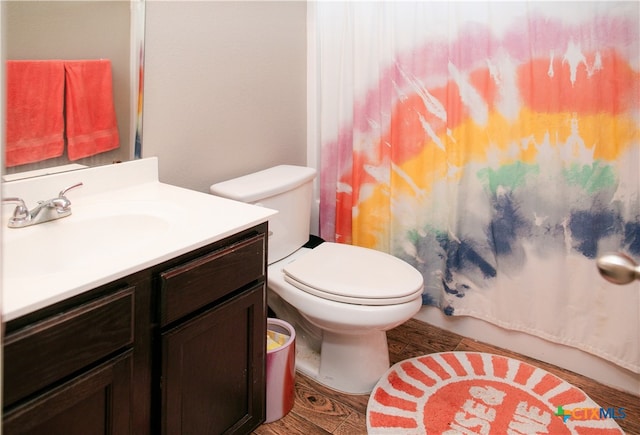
(319, 410)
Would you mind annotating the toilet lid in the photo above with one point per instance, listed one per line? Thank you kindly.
(356, 275)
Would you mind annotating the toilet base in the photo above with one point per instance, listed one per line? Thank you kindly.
(350, 364)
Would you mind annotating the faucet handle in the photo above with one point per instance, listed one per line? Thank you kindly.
(65, 190)
(21, 212)
(62, 203)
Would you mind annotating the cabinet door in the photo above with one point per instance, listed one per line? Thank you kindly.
(213, 369)
(97, 402)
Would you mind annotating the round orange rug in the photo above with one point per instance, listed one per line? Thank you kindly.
(479, 393)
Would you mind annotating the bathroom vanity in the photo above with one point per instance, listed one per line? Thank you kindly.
(169, 339)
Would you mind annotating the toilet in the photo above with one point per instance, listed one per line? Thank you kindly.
(341, 299)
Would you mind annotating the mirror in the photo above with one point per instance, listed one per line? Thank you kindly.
(79, 30)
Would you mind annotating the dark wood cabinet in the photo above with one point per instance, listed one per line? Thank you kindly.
(213, 370)
(213, 330)
(70, 372)
(178, 348)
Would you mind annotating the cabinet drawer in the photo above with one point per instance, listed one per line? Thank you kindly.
(195, 284)
(45, 352)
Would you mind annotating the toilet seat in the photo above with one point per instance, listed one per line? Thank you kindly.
(355, 275)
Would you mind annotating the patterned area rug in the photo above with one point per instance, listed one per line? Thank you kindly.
(479, 393)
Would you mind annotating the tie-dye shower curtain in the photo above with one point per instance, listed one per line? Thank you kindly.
(495, 147)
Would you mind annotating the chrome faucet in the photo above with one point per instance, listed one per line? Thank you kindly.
(45, 211)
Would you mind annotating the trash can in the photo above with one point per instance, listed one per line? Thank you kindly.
(281, 368)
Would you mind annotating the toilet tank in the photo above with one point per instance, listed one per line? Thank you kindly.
(285, 188)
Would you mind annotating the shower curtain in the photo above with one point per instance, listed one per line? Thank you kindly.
(495, 147)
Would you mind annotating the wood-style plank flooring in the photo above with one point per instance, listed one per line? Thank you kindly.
(319, 410)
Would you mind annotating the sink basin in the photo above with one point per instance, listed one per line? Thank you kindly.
(124, 220)
(91, 235)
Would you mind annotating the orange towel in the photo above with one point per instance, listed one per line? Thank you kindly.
(35, 123)
(92, 127)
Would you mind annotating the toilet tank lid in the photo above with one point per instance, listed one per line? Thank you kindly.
(264, 184)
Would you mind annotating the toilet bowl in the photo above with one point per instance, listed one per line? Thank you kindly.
(342, 345)
(341, 299)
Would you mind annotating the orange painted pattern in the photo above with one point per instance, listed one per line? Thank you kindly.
(385, 420)
(417, 374)
(523, 374)
(435, 367)
(385, 398)
(477, 363)
(401, 385)
(546, 384)
(599, 102)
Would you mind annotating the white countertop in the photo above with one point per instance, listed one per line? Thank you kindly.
(142, 222)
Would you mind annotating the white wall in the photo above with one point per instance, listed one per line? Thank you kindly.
(225, 88)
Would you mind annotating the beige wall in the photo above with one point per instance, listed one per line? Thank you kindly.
(225, 88)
